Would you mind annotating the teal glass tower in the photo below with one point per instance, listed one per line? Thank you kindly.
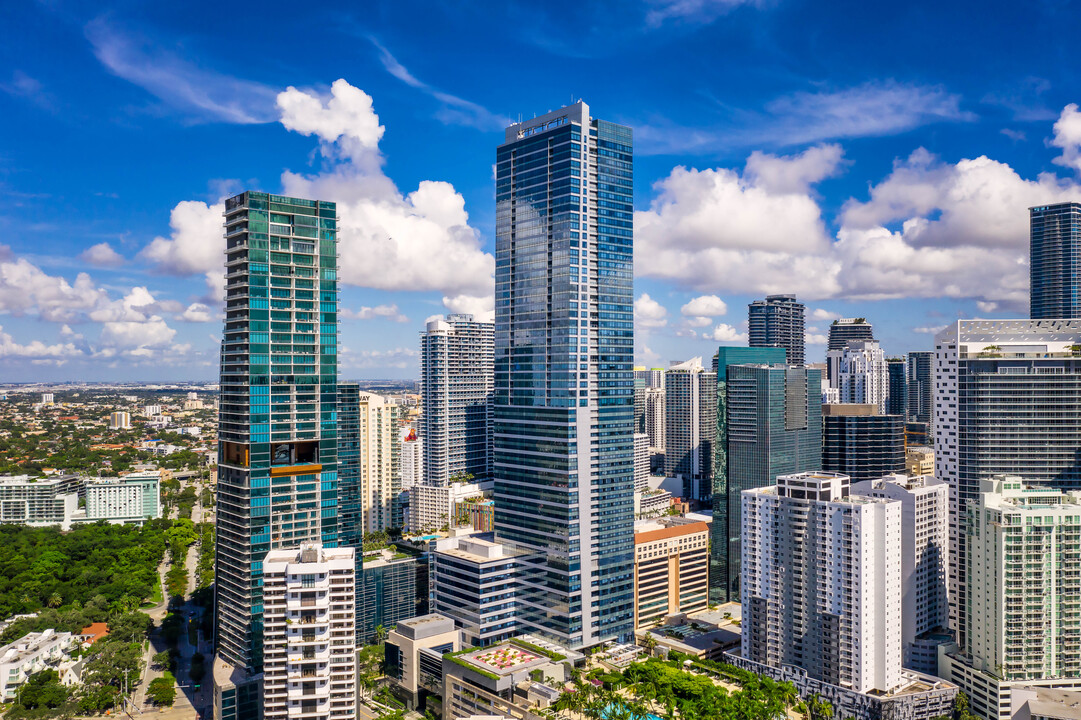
(564, 388)
(720, 532)
(1055, 261)
(277, 443)
(774, 427)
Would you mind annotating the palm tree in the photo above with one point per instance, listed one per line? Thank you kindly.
(55, 600)
(380, 633)
(648, 642)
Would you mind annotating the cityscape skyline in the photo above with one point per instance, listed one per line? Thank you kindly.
(842, 161)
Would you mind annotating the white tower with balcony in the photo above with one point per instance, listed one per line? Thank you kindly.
(309, 642)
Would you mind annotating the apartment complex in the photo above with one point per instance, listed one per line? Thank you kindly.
(924, 550)
(846, 330)
(277, 433)
(456, 366)
(1007, 402)
(564, 394)
(690, 426)
(309, 643)
(822, 597)
(431, 507)
(778, 321)
(858, 371)
(1023, 610)
(135, 497)
(38, 501)
(671, 568)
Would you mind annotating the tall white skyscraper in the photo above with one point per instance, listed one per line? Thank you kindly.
(309, 645)
(924, 551)
(690, 426)
(860, 373)
(378, 433)
(456, 361)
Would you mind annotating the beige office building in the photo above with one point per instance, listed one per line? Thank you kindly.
(671, 568)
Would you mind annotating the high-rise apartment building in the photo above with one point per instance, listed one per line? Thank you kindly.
(456, 398)
(309, 645)
(639, 404)
(924, 550)
(822, 592)
(858, 371)
(564, 391)
(120, 421)
(655, 423)
(641, 462)
(277, 431)
(774, 427)
(897, 390)
(719, 530)
(822, 581)
(861, 443)
(350, 490)
(778, 321)
(690, 427)
(921, 380)
(653, 377)
(1007, 402)
(1023, 610)
(846, 330)
(379, 442)
(412, 459)
(1055, 261)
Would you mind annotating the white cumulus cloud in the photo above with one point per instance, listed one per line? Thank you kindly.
(389, 312)
(725, 333)
(1068, 138)
(102, 255)
(705, 306)
(649, 313)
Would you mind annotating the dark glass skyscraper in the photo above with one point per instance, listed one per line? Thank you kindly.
(1055, 261)
(897, 400)
(860, 443)
(564, 391)
(720, 532)
(774, 428)
(778, 321)
(846, 329)
(920, 387)
(277, 449)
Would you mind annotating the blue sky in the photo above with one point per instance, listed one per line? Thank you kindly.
(877, 159)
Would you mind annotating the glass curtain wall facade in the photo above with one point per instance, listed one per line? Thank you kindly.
(863, 447)
(897, 399)
(564, 391)
(1055, 261)
(277, 448)
(920, 385)
(774, 428)
(719, 529)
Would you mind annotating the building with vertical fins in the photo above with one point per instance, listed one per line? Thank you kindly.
(1055, 261)
(897, 395)
(774, 427)
(719, 530)
(691, 422)
(778, 321)
(277, 429)
(920, 385)
(862, 443)
(1007, 402)
(456, 398)
(564, 389)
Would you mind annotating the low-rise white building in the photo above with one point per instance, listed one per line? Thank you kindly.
(309, 641)
(432, 506)
(30, 654)
(38, 502)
